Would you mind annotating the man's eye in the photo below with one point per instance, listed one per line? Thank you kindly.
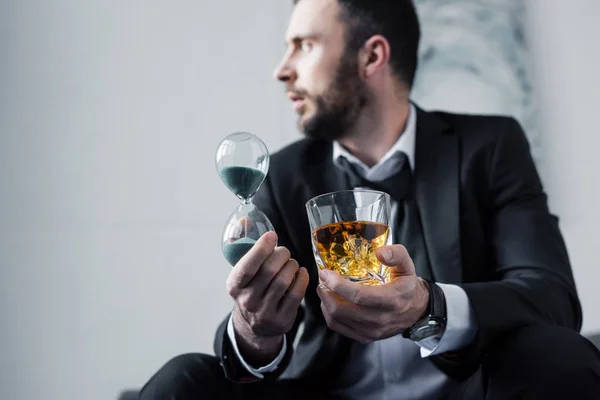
(306, 46)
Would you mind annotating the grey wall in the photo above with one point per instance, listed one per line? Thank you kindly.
(474, 58)
(566, 58)
(111, 210)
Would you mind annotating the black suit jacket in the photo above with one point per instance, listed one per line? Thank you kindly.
(486, 226)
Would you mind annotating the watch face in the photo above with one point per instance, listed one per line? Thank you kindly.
(428, 329)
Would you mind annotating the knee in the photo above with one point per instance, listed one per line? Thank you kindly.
(188, 363)
(181, 374)
(546, 355)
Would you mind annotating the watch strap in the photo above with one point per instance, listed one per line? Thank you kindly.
(435, 320)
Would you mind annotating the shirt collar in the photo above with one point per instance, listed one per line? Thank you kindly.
(388, 165)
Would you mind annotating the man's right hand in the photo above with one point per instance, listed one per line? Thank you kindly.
(267, 287)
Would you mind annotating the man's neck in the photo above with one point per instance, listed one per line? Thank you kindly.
(376, 131)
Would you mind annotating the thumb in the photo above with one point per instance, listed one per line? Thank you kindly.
(397, 257)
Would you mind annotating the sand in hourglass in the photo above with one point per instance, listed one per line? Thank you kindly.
(243, 181)
(242, 162)
(233, 252)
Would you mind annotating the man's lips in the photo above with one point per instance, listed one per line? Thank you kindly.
(297, 100)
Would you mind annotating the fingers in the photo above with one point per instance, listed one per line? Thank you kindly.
(243, 227)
(270, 268)
(343, 310)
(249, 265)
(396, 256)
(281, 282)
(362, 295)
(337, 306)
(240, 229)
(342, 328)
(245, 224)
(291, 301)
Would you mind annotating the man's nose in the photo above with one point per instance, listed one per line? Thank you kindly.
(284, 72)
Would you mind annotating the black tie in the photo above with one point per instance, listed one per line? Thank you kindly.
(397, 185)
(408, 230)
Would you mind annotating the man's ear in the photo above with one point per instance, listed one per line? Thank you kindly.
(374, 55)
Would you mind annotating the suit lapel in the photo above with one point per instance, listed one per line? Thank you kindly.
(437, 194)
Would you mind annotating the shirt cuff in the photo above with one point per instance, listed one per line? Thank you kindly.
(461, 326)
(256, 372)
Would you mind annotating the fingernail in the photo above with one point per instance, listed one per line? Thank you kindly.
(324, 275)
(386, 254)
(271, 237)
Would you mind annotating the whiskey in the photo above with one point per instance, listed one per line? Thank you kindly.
(349, 249)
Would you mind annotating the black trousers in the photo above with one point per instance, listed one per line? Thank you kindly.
(537, 362)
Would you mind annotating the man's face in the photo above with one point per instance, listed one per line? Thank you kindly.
(321, 77)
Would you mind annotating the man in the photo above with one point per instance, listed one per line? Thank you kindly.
(501, 319)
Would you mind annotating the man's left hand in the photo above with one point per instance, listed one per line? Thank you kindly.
(369, 313)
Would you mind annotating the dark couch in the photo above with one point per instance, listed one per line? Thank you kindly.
(133, 394)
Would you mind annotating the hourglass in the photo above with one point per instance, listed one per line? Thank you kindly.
(243, 163)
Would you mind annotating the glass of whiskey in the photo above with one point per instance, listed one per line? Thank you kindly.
(346, 228)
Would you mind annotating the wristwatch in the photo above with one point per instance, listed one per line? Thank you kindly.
(434, 323)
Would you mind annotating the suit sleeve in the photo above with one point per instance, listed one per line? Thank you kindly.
(234, 370)
(532, 278)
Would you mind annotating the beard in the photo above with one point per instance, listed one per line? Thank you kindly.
(339, 107)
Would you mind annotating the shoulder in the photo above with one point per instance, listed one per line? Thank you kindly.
(303, 149)
(485, 137)
(482, 129)
(295, 157)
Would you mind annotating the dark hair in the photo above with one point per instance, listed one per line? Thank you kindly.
(396, 20)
